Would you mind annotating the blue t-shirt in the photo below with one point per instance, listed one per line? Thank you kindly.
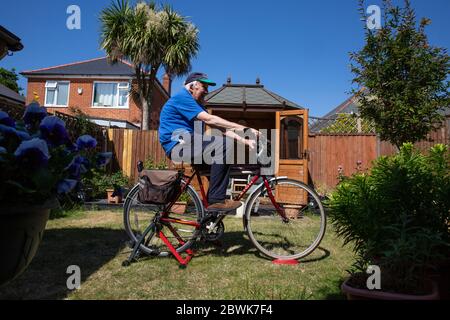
(177, 116)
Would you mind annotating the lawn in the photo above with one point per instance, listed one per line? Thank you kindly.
(96, 242)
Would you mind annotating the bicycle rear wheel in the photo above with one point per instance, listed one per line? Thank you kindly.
(140, 216)
(292, 239)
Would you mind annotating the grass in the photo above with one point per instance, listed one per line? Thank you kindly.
(95, 241)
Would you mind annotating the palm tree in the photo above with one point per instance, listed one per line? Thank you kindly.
(149, 37)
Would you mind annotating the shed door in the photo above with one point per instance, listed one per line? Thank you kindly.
(291, 150)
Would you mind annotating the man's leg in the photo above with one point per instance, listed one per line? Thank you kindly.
(218, 182)
(220, 171)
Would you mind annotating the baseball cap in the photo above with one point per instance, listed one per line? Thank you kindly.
(198, 76)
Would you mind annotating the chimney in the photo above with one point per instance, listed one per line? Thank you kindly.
(167, 83)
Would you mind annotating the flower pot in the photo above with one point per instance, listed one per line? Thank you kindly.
(21, 231)
(292, 211)
(179, 207)
(365, 294)
(111, 199)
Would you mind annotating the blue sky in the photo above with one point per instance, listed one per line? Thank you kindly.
(298, 48)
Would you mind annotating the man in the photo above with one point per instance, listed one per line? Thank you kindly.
(178, 117)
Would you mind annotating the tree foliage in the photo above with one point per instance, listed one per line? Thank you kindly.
(9, 79)
(148, 36)
(405, 79)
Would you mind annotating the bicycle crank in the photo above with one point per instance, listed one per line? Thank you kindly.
(213, 231)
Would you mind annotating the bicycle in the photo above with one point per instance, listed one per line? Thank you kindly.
(266, 219)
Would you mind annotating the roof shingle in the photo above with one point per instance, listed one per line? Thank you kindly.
(248, 95)
(99, 66)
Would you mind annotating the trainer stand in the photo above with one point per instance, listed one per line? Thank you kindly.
(136, 252)
(285, 262)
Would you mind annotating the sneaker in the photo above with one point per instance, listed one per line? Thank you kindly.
(226, 205)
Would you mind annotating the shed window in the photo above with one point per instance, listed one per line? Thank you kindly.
(291, 138)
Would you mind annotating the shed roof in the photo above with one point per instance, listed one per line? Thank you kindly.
(9, 94)
(247, 95)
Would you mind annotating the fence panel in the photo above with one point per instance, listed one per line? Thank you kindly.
(326, 151)
(129, 146)
(329, 152)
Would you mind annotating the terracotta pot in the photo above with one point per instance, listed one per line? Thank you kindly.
(179, 207)
(111, 199)
(21, 231)
(365, 294)
(292, 211)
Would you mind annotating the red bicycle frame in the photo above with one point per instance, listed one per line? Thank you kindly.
(166, 220)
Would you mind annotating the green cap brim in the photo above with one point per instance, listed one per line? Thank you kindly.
(207, 81)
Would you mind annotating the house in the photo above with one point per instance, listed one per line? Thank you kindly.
(344, 119)
(97, 88)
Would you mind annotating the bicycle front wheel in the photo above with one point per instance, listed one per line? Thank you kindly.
(141, 219)
(292, 238)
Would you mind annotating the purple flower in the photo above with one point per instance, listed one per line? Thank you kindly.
(6, 120)
(85, 142)
(34, 113)
(33, 152)
(78, 166)
(10, 132)
(54, 131)
(103, 158)
(66, 185)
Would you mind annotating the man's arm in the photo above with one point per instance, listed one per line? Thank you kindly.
(227, 126)
(218, 122)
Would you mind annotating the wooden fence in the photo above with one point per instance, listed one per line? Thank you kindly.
(327, 152)
(129, 146)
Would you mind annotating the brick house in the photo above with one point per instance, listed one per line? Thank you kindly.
(99, 89)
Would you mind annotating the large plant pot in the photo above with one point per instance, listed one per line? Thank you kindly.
(21, 231)
(365, 294)
(111, 199)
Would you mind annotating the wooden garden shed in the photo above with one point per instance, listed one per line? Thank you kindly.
(255, 106)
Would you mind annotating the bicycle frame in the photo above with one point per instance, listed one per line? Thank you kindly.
(166, 220)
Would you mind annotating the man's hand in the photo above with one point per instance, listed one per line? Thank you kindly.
(255, 132)
(251, 144)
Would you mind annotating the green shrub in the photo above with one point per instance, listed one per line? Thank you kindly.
(97, 183)
(149, 163)
(396, 217)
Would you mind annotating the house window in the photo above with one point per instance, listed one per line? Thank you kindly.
(111, 94)
(56, 93)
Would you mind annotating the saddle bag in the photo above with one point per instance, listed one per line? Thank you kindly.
(159, 186)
